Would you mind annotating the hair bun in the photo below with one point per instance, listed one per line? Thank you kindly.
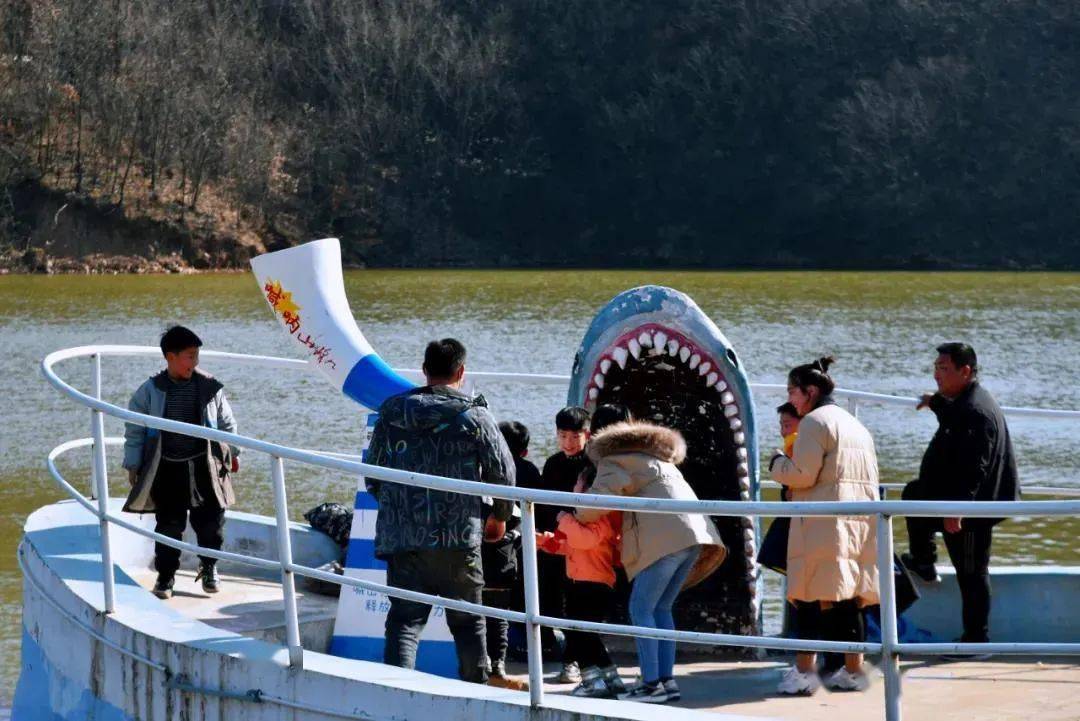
(822, 364)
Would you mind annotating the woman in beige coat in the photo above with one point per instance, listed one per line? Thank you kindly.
(661, 552)
(831, 568)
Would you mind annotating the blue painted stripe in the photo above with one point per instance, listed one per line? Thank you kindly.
(44, 693)
(371, 381)
(365, 502)
(361, 554)
(437, 657)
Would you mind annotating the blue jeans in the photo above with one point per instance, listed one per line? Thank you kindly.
(651, 599)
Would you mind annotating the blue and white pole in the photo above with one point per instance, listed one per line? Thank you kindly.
(306, 292)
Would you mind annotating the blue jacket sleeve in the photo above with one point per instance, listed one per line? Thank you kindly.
(134, 434)
(225, 420)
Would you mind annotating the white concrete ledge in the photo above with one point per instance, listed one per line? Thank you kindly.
(167, 654)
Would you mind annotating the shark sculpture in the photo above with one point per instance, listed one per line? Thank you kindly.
(650, 348)
(653, 350)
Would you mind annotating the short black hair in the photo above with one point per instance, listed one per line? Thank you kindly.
(961, 354)
(609, 414)
(178, 338)
(516, 435)
(443, 358)
(572, 418)
(787, 408)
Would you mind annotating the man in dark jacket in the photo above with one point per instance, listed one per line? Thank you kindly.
(970, 458)
(431, 539)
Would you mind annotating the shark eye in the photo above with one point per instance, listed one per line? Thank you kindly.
(732, 358)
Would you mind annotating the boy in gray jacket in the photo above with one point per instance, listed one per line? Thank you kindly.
(174, 475)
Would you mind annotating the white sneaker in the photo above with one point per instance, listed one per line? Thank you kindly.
(797, 683)
(570, 673)
(844, 680)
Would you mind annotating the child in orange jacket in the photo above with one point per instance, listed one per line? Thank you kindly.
(592, 551)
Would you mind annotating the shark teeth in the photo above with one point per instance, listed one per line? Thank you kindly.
(743, 470)
(620, 355)
(649, 342)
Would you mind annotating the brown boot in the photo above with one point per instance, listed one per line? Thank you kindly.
(501, 681)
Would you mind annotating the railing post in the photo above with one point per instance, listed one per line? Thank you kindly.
(95, 388)
(288, 587)
(100, 479)
(890, 660)
(532, 606)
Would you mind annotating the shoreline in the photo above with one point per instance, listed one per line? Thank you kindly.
(36, 261)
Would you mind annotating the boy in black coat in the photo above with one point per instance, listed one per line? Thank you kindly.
(560, 473)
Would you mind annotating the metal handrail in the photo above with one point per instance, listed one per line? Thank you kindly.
(498, 377)
(884, 510)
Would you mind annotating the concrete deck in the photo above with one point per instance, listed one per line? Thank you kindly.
(1003, 689)
(1000, 690)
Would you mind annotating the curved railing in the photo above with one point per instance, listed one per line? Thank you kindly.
(889, 647)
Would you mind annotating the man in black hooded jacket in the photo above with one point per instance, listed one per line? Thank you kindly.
(970, 458)
(430, 539)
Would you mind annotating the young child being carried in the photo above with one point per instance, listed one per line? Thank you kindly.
(591, 551)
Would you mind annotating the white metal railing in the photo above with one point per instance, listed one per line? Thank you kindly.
(889, 647)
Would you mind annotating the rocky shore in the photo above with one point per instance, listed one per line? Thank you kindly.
(37, 260)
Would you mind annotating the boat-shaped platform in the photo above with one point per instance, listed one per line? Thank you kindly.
(220, 656)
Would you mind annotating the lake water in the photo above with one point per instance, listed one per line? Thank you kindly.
(882, 327)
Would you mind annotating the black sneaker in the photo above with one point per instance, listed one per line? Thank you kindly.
(966, 656)
(209, 576)
(646, 693)
(163, 588)
(926, 571)
(614, 681)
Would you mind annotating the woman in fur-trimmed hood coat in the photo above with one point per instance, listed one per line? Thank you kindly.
(639, 459)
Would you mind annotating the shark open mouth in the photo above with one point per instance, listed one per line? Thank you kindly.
(654, 351)
(666, 378)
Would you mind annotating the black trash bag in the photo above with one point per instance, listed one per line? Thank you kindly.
(333, 519)
(773, 551)
(907, 593)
